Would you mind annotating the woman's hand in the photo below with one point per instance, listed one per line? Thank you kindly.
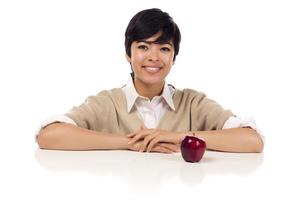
(160, 147)
(151, 137)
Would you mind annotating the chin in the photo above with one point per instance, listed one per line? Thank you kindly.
(152, 81)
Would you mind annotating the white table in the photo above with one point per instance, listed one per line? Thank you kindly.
(31, 173)
(134, 175)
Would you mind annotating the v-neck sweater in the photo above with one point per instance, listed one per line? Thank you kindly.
(107, 112)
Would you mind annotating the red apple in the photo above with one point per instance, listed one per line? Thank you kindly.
(192, 148)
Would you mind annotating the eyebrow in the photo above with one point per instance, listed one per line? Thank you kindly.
(155, 42)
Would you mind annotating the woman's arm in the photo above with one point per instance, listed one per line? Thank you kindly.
(232, 140)
(228, 140)
(63, 136)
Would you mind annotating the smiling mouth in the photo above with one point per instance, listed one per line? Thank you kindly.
(152, 69)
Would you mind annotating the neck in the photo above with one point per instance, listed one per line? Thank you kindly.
(148, 90)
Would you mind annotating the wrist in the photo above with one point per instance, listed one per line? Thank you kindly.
(120, 142)
(181, 136)
(125, 144)
(189, 133)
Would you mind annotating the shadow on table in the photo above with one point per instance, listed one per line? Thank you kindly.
(148, 171)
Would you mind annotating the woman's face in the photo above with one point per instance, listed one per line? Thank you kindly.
(151, 62)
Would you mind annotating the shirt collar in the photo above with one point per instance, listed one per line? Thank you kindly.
(131, 94)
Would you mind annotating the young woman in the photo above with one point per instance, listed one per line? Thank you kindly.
(147, 114)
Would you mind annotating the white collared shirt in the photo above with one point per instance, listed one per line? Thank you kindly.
(150, 112)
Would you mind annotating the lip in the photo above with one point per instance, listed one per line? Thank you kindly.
(151, 66)
(152, 70)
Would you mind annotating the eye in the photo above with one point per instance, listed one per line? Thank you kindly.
(143, 47)
(165, 49)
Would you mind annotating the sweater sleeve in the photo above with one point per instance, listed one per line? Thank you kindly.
(94, 113)
(207, 114)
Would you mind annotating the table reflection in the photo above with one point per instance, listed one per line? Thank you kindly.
(149, 170)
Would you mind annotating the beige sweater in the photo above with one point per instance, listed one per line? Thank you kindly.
(107, 112)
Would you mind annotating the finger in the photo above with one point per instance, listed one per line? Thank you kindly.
(166, 147)
(138, 136)
(152, 143)
(161, 149)
(159, 138)
(170, 146)
(141, 135)
(147, 140)
(166, 150)
(145, 143)
(134, 139)
(131, 134)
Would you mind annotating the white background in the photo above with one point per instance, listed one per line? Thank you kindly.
(53, 54)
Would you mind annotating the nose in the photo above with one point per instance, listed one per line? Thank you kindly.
(153, 55)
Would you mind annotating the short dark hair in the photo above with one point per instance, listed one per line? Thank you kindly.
(149, 22)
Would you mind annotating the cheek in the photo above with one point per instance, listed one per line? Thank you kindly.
(137, 57)
(168, 59)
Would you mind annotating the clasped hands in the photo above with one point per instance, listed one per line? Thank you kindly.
(155, 140)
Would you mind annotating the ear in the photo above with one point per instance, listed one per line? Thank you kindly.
(128, 58)
(173, 61)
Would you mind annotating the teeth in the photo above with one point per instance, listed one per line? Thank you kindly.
(152, 69)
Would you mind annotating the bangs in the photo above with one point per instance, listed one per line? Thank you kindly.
(165, 38)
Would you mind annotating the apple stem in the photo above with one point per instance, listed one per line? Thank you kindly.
(193, 134)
